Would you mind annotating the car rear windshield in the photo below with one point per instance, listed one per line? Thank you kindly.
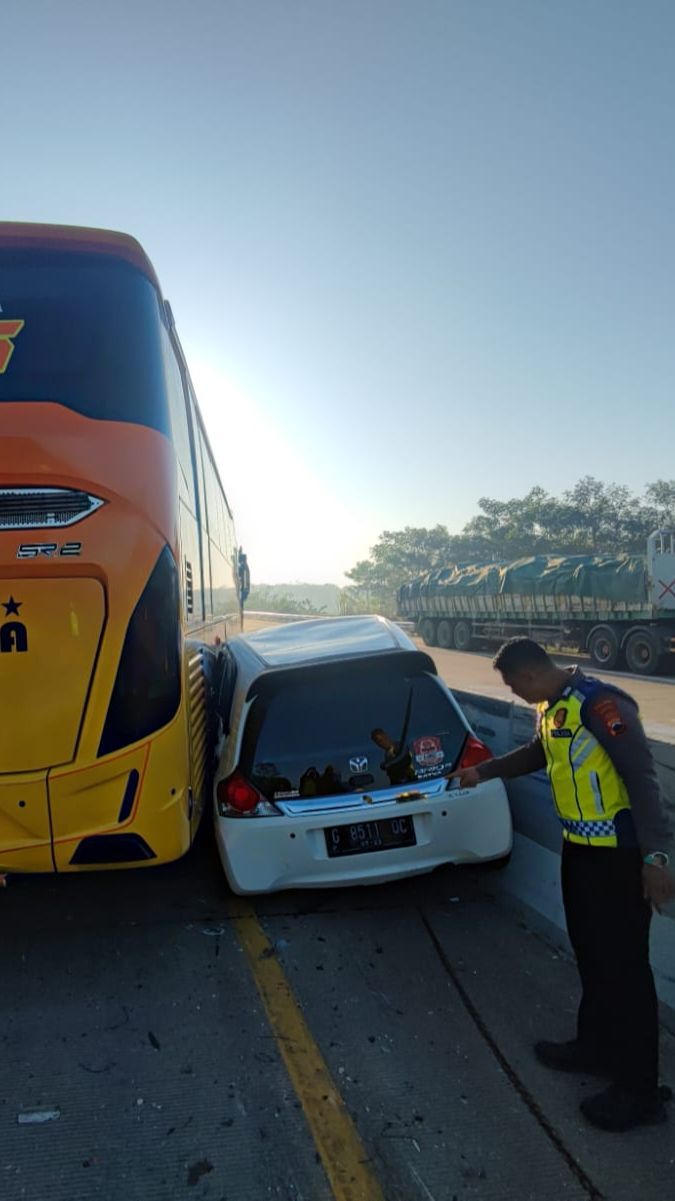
(352, 732)
(90, 337)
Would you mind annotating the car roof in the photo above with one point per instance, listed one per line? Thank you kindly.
(323, 640)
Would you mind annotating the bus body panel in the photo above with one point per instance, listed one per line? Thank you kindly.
(48, 649)
(47, 444)
(78, 239)
(88, 803)
(99, 409)
(25, 834)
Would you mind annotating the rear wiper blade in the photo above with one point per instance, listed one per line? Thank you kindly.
(406, 722)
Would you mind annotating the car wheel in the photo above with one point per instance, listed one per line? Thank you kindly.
(643, 652)
(444, 634)
(462, 636)
(428, 631)
(603, 647)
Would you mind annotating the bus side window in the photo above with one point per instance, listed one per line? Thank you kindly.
(214, 502)
(190, 552)
(202, 468)
(218, 567)
(179, 424)
(198, 456)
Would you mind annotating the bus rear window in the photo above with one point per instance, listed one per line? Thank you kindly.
(90, 337)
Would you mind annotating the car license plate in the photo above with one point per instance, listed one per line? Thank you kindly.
(370, 836)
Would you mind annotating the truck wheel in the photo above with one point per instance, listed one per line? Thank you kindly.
(461, 636)
(603, 647)
(444, 634)
(428, 631)
(643, 652)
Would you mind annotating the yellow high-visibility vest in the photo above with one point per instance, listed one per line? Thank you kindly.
(588, 792)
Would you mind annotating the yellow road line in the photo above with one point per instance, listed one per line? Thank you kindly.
(342, 1153)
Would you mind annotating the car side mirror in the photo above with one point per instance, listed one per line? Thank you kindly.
(244, 577)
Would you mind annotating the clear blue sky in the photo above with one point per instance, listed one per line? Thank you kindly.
(419, 251)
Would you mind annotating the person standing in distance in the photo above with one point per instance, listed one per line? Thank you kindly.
(616, 859)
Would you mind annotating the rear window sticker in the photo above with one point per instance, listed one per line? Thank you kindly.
(428, 751)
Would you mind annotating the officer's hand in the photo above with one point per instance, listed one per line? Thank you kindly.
(658, 885)
(468, 777)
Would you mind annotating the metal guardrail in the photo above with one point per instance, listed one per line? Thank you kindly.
(280, 618)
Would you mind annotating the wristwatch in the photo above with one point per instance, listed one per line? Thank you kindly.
(657, 859)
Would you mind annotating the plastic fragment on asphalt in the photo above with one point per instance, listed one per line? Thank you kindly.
(36, 1117)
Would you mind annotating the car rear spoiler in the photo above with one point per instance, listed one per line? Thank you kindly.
(408, 662)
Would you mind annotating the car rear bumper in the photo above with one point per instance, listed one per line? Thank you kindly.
(268, 854)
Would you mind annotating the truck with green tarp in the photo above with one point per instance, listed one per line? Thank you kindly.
(621, 610)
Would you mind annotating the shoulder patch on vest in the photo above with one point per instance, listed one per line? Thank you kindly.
(607, 711)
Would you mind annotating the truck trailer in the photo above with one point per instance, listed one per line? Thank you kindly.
(621, 610)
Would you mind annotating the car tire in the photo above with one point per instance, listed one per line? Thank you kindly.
(444, 634)
(461, 636)
(643, 652)
(603, 648)
(428, 632)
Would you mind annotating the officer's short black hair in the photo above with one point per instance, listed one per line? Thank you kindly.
(520, 654)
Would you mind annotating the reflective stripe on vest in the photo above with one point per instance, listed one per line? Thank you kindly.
(587, 790)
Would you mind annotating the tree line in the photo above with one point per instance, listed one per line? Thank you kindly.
(591, 518)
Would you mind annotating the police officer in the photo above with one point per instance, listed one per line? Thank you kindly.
(615, 869)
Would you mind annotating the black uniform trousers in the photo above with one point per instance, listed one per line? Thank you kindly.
(608, 924)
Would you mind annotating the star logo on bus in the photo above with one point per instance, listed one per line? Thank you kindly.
(11, 606)
(8, 331)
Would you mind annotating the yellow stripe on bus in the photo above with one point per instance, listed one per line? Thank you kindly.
(342, 1153)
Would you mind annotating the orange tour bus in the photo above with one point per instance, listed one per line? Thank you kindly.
(119, 569)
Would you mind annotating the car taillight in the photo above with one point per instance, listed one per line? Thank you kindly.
(237, 793)
(474, 752)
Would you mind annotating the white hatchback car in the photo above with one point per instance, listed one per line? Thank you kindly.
(338, 738)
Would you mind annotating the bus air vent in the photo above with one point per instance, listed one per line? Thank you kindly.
(112, 848)
(189, 589)
(43, 508)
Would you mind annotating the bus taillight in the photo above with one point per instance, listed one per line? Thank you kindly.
(147, 688)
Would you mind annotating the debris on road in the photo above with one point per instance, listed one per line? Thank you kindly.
(36, 1117)
(201, 1168)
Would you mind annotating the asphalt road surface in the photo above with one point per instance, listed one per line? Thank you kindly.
(474, 672)
(164, 1041)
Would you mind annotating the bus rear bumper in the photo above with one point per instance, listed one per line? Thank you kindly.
(131, 809)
